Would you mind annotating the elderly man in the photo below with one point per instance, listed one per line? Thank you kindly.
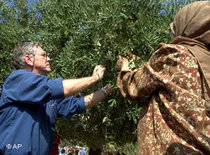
(31, 102)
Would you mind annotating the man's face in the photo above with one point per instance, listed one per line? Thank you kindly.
(41, 63)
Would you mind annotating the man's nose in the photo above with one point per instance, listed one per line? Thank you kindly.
(48, 58)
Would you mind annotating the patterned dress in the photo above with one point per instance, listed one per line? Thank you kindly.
(174, 121)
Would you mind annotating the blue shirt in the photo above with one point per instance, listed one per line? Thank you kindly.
(29, 107)
(82, 152)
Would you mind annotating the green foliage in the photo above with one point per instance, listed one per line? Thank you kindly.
(80, 34)
(16, 26)
(129, 149)
(96, 32)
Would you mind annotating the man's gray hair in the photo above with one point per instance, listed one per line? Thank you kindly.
(21, 50)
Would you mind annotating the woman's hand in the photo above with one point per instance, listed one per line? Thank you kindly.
(122, 64)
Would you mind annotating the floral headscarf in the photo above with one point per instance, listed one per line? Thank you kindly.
(191, 28)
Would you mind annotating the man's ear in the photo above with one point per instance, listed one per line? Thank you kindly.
(29, 60)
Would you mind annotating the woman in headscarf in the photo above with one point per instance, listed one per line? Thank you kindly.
(176, 79)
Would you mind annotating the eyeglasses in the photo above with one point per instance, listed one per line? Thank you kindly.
(45, 55)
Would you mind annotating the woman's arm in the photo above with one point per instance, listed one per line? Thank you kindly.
(136, 83)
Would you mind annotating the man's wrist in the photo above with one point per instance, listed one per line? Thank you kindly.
(104, 91)
(95, 78)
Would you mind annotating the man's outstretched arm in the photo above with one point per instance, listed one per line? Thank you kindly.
(74, 86)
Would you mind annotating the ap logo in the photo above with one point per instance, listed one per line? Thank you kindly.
(9, 146)
(14, 146)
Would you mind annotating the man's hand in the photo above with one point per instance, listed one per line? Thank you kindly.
(98, 72)
(107, 89)
(122, 64)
